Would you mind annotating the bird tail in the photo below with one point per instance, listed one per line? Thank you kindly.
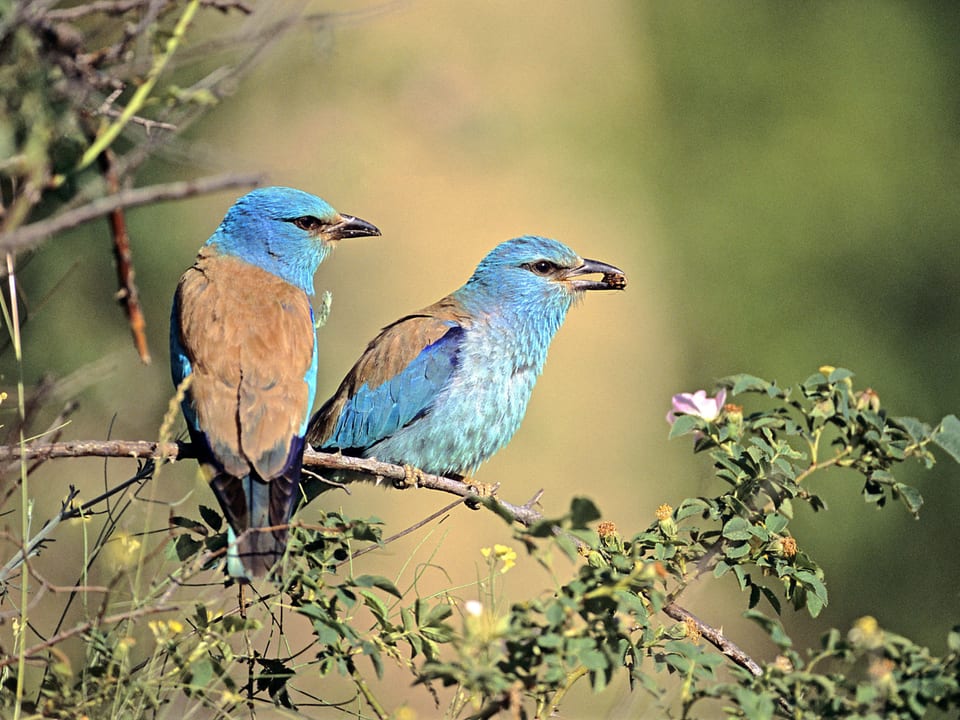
(255, 542)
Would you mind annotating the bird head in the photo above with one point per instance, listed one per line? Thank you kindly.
(285, 231)
(535, 274)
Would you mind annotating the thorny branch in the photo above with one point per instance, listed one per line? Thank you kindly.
(525, 514)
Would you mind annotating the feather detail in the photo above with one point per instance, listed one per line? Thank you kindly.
(394, 380)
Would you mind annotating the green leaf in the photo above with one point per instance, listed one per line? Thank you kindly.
(771, 598)
(839, 374)
(947, 436)
(186, 547)
(376, 605)
(683, 425)
(440, 634)
(814, 381)
(200, 674)
(743, 383)
(555, 614)
(953, 640)
(370, 650)
(775, 522)
(691, 506)
(910, 496)
(916, 429)
(185, 522)
(593, 660)
(377, 581)
(742, 578)
(437, 614)
(583, 511)
(550, 641)
(772, 626)
(211, 517)
(814, 604)
(737, 528)
(735, 552)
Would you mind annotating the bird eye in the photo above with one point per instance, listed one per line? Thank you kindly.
(308, 223)
(541, 267)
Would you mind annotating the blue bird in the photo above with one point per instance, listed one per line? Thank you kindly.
(242, 331)
(443, 389)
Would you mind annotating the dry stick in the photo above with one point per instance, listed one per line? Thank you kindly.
(30, 235)
(524, 514)
(127, 295)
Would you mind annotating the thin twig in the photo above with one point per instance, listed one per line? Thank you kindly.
(34, 233)
(406, 531)
(127, 295)
(83, 627)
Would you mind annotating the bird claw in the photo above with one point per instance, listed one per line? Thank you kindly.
(411, 478)
(481, 490)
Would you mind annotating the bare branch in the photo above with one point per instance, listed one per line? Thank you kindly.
(128, 295)
(30, 235)
(141, 449)
(714, 637)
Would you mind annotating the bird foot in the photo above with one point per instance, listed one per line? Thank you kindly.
(481, 490)
(411, 478)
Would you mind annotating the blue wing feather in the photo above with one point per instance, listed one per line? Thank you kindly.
(180, 366)
(373, 414)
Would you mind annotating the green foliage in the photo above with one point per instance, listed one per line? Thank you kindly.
(618, 614)
(870, 673)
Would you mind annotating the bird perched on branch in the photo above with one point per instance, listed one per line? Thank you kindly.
(443, 389)
(242, 332)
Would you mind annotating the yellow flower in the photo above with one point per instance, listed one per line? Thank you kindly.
(123, 551)
(165, 629)
(405, 712)
(501, 552)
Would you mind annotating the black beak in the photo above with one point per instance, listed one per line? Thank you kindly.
(351, 227)
(613, 277)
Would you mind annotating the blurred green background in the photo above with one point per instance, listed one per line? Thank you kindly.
(779, 181)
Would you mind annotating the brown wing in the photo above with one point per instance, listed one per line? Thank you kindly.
(386, 357)
(249, 337)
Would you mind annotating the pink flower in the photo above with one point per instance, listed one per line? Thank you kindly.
(697, 404)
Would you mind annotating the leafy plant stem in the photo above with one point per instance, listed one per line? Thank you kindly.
(106, 138)
(368, 695)
(814, 467)
(558, 696)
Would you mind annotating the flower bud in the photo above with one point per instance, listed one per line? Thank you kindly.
(668, 525)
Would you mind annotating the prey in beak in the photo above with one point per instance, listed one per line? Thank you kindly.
(613, 278)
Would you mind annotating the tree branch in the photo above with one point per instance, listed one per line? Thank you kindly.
(524, 514)
(128, 295)
(30, 235)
